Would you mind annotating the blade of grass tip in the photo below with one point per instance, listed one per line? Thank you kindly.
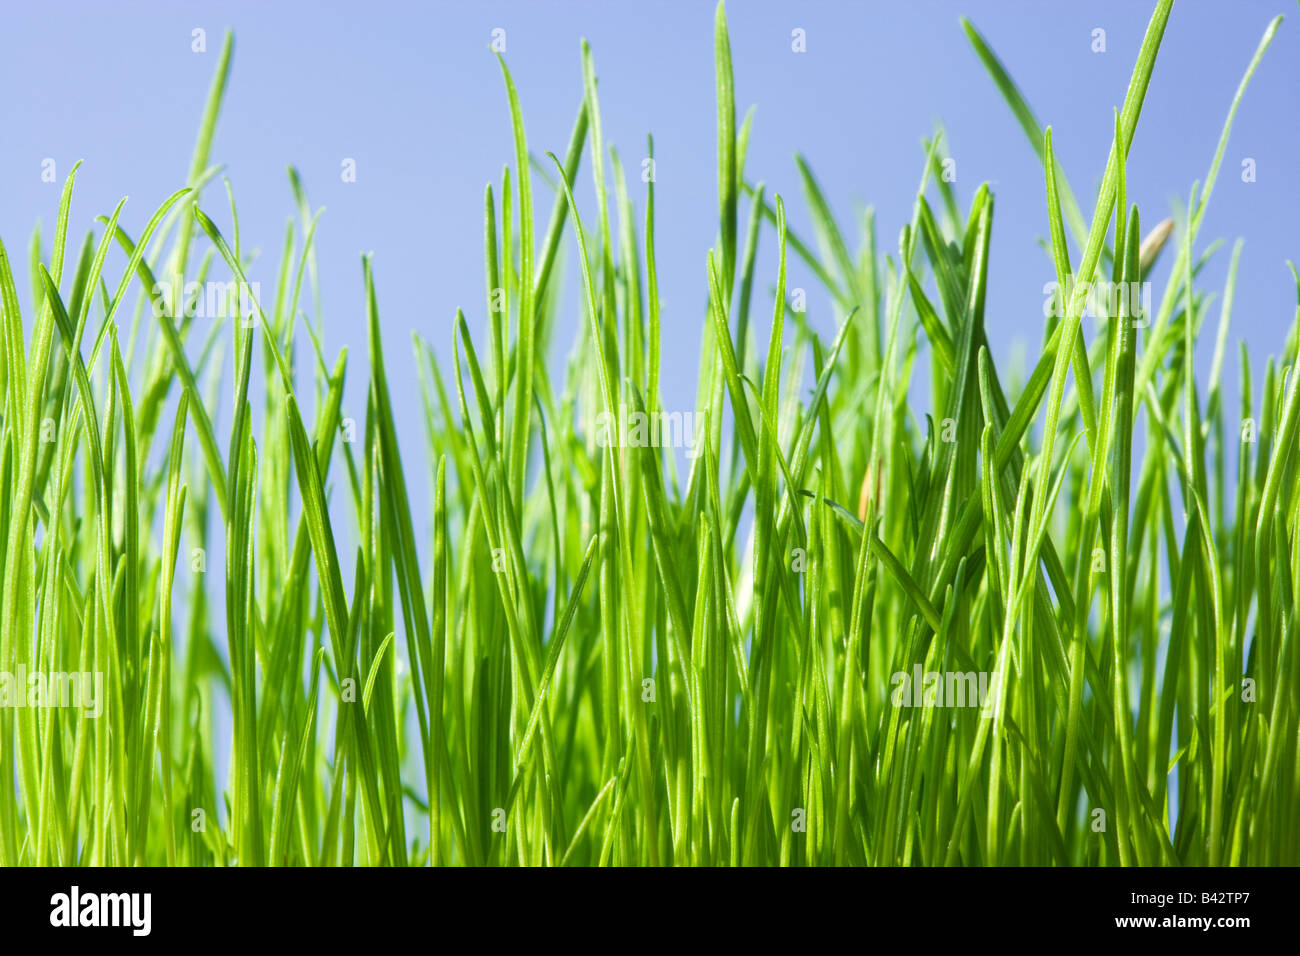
(202, 147)
(747, 282)
(1033, 130)
(652, 288)
(802, 250)
(765, 487)
(1065, 335)
(496, 306)
(1152, 356)
(372, 674)
(633, 314)
(526, 357)
(33, 263)
(246, 287)
(30, 376)
(560, 208)
(306, 264)
(1222, 145)
(1061, 258)
(608, 292)
(14, 340)
(839, 252)
(304, 214)
(727, 181)
(603, 372)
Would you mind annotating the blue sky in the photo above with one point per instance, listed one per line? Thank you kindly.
(412, 93)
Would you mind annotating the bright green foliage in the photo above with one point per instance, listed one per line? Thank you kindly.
(587, 657)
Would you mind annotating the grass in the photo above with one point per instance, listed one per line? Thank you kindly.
(590, 657)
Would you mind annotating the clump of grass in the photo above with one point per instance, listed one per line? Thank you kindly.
(590, 658)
